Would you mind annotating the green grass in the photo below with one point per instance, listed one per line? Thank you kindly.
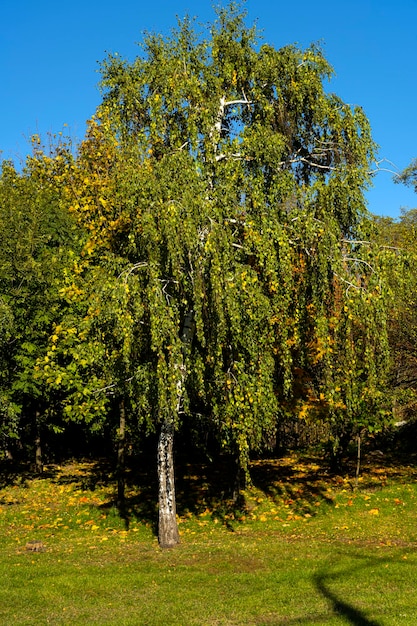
(304, 548)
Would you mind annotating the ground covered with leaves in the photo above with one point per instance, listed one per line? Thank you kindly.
(303, 546)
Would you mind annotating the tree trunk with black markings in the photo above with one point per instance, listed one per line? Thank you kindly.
(168, 535)
(121, 455)
(38, 446)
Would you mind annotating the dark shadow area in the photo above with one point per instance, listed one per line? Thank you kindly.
(86, 474)
(12, 473)
(200, 487)
(354, 616)
(402, 439)
(340, 606)
(143, 506)
(206, 487)
(300, 488)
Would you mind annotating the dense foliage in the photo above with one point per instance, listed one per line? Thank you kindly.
(204, 263)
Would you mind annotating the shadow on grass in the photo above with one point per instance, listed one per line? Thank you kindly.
(22, 473)
(86, 474)
(141, 502)
(301, 487)
(207, 489)
(340, 606)
(201, 488)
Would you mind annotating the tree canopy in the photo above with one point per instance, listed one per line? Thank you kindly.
(224, 278)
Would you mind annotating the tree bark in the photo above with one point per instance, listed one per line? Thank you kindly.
(121, 455)
(168, 535)
(240, 479)
(358, 463)
(38, 446)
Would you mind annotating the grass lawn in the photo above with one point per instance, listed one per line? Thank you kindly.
(304, 548)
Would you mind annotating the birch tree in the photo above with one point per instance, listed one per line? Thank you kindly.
(222, 189)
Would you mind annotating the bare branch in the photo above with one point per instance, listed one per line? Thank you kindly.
(321, 167)
(132, 269)
(355, 242)
(347, 282)
(222, 156)
(348, 258)
(104, 389)
(307, 162)
(393, 248)
(377, 169)
(233, 102)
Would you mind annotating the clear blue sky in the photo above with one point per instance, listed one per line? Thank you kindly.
(49, 54)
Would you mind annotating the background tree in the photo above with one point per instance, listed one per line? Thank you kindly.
(409, 175)
(398, 240)
(36, 242)
(90, 361)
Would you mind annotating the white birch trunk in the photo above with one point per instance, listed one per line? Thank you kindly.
(168, 535)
